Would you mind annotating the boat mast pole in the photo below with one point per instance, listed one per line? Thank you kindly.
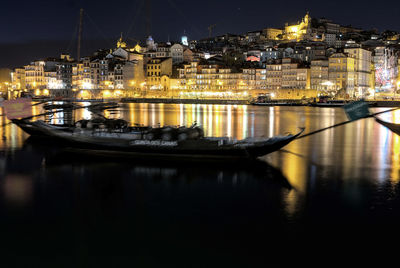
(80, 35)
(148, 17)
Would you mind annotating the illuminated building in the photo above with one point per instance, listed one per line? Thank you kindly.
(289, 79)
(398, 74)
(188, 55)
(320, 75)
(341, 73)
(121, 43)
(50, 77)
(163, 50)
(253, 36)
(208, 80)
(34, 75)
(134, 57)
(349, 29)
(121, 73)
(150, 44)
(253, 79)
(272, 53)
(331, 28)
(156, 68)
(330, 39)
(274, 75)
(95, 73)
(184, 41)
(216, 81)
(6, 78)
(385, 63)
(139, 49)
(300, 31)
(64, 76)
(50, 73)
(295, 75)
(177, 53)
(78, 76)
(272, 33)
(18, 79)
(86, 73)
(362, 69)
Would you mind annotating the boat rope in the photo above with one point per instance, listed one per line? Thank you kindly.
(132, 26)
(185, 18)
(344, 123)
(98, 29)
(46, 113)
(73, 38)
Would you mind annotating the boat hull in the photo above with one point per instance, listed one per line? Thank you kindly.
(204, 148)
(393, 127)
(32, 129)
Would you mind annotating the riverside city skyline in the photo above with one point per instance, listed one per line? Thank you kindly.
(303, 59)
(330, 197)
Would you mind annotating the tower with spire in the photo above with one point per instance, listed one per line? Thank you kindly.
(121, 43)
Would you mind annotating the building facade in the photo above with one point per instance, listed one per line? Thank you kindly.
(320, 75)
(362, 69)
(341, 73)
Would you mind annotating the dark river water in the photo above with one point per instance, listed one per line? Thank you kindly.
(331, 199)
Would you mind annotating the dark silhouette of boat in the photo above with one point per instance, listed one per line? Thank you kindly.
(30, 127)
(392, 126)
(113, 136)
(64, 106)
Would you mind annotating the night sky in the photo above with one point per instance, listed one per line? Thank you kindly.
(36, 29)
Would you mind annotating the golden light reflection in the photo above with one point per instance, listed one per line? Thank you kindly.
(18, 189)
(351, 151)
(229, 121)
(395, 169)
(132, 114)
(210, 117)
(394, 174)
(181, 111)
(217, 120)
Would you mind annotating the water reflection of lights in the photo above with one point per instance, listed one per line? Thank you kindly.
(395, 169)
(245, 122)
(181, 111)
(162, 114)
(210, 125)
(17, 189)
(229, 121)
(355, 151)
(153, 114)
(217, 120)
(132, 114)
(86, 113)
(271, 121)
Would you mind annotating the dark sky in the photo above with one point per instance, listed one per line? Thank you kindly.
(36, 29)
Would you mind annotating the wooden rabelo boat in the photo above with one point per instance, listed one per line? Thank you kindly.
(392, 126)
(32, 129)
(115, 137)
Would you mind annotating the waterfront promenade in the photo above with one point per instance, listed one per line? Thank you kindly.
(274, 102)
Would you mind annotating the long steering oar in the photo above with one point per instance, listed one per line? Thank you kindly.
(346, 122)
(36, 104)
(46, 113)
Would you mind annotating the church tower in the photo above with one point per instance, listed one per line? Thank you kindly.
(120, 43)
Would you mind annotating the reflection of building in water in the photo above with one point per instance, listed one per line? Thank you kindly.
(63, 117)
(11, 136)
(217, 120)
